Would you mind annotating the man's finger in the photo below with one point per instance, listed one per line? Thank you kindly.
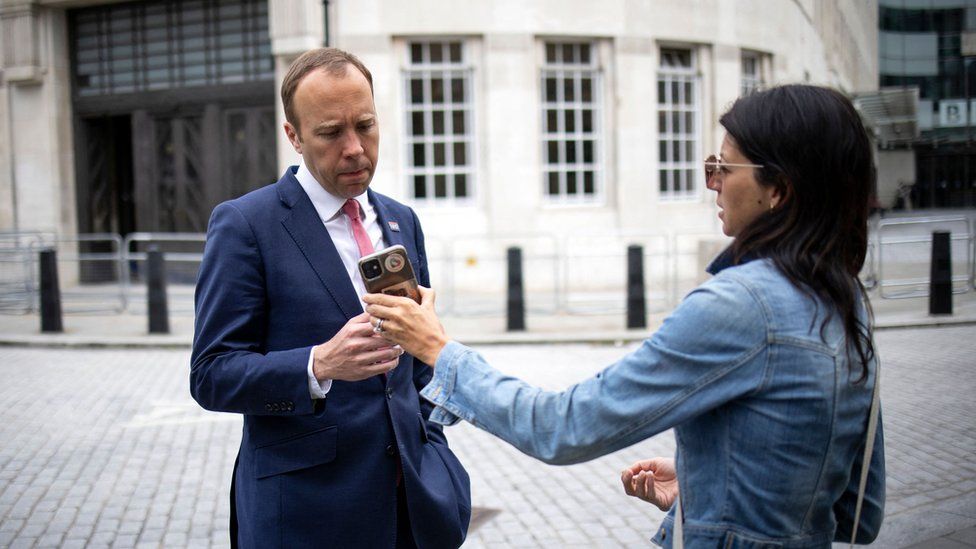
(386, 366)
(380, 355)
(361, 330)
(359, 319)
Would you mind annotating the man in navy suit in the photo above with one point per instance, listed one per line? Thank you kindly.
(337, 450)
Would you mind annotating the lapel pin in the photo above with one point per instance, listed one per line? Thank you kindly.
(394, 226)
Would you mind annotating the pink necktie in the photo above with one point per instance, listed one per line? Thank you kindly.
(351, 209)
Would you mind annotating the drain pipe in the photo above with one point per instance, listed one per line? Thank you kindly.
(325, 23)
(13, 169)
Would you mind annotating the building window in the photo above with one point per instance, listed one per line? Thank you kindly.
(440, 133)
(678, 115)
(149, 46)
(752, 72)
(571, 123)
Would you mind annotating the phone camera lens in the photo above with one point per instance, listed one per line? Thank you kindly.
(372, 268)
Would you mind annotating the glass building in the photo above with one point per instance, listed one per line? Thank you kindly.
(931, 45)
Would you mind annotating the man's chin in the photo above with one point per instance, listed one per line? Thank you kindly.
(355, 184)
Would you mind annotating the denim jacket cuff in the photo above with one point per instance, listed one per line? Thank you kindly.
(441, 385)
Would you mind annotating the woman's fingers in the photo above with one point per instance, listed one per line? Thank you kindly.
(427, 297)
(627, 479)
(640, 488)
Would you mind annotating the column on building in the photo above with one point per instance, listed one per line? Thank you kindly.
(37, 177)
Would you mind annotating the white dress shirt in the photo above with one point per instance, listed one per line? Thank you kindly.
(329, 208)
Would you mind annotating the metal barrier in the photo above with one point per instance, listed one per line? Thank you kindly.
(439, 265)
(595, 272)
(869, 272)
(579, 274)
(910, 254)
(183, 253)
(972, 253)
(18, 270)
(90, 272)
(483, 262)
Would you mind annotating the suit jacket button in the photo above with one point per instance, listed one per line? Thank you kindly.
(267, 407)
(389, 392)
(390, 450)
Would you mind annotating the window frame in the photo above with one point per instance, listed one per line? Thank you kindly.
(666, 78)
(749, 83)
(446, 71)
(577, 72)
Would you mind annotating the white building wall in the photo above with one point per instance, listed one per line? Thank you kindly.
(821, 41)
(804, 39)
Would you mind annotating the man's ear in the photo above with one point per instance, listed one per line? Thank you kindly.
(293, 137)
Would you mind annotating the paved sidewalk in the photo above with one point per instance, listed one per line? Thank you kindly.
(104, 447)
(131, 330)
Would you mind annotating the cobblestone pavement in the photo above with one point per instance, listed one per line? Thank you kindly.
(106, 448)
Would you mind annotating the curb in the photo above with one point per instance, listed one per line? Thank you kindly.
(614, 337)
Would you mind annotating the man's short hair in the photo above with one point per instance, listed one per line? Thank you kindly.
(333, 60)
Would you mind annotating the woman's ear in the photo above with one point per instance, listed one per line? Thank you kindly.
(779, 193)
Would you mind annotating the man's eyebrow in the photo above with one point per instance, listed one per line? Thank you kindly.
(329, 125)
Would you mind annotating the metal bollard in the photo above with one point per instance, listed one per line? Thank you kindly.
(51, 321)
(636, 305)
(516, 293)
(940, 277)
(156, 292)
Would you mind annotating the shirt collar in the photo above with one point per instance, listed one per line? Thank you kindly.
(326, 204)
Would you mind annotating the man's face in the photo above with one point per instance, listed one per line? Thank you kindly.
(338, 135)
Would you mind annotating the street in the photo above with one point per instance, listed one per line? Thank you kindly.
(106, 448)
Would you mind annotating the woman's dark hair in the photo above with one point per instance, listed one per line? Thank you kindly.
(815, 151)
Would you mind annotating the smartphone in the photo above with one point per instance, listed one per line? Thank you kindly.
(388, 271)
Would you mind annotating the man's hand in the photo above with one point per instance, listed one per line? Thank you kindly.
(653, 480)
(355, 353)
(414, 327)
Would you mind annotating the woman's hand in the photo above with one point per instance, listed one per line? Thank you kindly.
(653, 480)
(414, 327)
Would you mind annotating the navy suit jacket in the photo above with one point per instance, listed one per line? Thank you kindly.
(314, 473)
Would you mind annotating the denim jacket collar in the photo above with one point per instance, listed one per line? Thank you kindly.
(726, 259)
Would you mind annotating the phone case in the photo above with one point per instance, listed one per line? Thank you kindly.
(396, 275)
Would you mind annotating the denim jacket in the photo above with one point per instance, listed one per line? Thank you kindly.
(769, 424)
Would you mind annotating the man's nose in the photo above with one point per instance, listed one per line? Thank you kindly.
(352, 144)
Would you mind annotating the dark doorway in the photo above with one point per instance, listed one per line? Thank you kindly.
(945, 176)
(174, 104)
(105, 175)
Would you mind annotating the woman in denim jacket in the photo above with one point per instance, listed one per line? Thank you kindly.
(765, 372)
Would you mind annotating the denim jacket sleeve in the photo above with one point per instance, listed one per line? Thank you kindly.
(711, 350)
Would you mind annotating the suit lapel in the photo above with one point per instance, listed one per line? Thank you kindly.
(384, 216)
(305, 227)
